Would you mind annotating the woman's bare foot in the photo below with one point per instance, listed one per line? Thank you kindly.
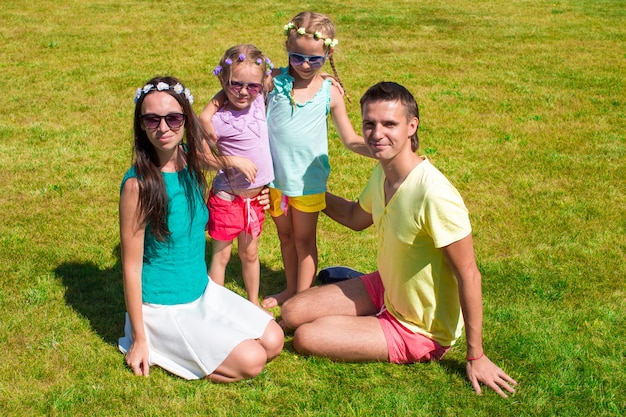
(276, 300)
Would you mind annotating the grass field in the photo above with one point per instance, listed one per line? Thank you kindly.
(522, 105)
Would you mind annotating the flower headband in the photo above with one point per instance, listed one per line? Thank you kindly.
(317, 35)
(241, 58)
(178, 89)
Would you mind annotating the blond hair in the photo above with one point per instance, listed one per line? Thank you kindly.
(318, 26)
(237, 55)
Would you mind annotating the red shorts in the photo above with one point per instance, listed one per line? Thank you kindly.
(229, 215)
(404, 345)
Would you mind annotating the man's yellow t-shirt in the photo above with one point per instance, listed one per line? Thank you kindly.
(425, 214)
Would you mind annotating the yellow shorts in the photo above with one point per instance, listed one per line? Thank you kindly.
(311, 203)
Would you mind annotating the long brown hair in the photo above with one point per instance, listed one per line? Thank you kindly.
(152, 195)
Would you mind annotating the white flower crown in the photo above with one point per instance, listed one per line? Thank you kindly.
(178, 89)
(317, 35)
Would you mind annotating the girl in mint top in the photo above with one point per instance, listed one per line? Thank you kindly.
(302, 166)
(177, 318)
(297, 120)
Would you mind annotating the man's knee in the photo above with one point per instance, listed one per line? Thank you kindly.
(290, 313)
(301, 308)
(304, 340)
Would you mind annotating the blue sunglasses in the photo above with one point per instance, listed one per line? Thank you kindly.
(315, 61)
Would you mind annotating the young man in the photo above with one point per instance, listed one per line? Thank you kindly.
(413, 309)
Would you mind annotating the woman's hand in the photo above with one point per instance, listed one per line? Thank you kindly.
(137, 358)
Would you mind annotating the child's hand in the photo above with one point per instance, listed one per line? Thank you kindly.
(264, 198)
(244, 165)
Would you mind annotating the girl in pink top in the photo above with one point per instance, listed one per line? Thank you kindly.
(241, 130)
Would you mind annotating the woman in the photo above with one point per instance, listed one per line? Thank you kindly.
(176, 317)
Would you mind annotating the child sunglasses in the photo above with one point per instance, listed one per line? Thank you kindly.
(253, 88)
(315, 61)
(173, 120)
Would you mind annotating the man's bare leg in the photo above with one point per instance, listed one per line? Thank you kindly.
(337, 321)
(343, 338)
(346, 298)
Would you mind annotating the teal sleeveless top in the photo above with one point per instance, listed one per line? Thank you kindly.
(298, 138)
(174, 271)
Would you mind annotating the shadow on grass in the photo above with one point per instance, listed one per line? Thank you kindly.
(272, 281)
(98, 295)
(453, 366)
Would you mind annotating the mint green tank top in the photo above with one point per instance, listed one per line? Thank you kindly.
(298, 138)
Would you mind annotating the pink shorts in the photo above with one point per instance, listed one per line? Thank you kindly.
(404, 346)
(229, 215)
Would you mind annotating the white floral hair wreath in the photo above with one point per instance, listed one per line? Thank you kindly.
(330, 42)
(178, 89)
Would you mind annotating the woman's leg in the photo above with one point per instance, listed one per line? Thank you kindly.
(272, 340)
(248, 358)
(245, 361)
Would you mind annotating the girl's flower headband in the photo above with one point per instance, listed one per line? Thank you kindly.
(317, 35)
(178, 89)
(242, 57)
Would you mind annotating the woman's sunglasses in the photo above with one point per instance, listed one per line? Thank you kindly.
(173, 120)
(315, 61)
(253, 88)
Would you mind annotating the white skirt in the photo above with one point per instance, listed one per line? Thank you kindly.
(191, 340)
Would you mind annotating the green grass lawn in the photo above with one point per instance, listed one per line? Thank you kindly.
(523, 107)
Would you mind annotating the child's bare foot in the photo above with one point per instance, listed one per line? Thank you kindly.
(275, 300)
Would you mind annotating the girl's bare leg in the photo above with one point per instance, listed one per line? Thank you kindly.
(304, 226)
(219, 260)
(290, 261)
(250, 266)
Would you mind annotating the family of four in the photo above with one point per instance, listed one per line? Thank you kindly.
(413, 309)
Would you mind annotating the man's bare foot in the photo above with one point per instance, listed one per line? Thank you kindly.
(276, 300)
